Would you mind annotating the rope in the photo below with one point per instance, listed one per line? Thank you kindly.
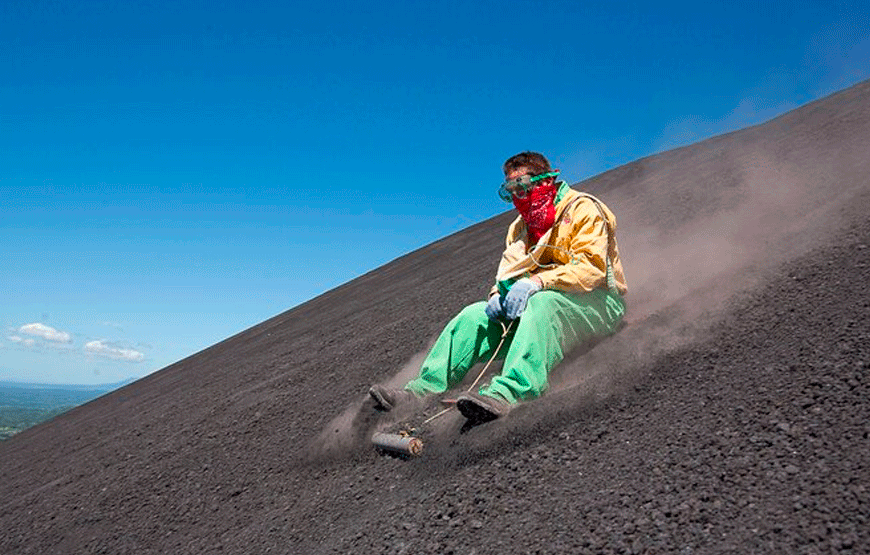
(495, 354)
(571, 258)
(504, 335)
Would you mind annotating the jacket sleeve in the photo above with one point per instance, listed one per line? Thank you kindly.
(586, 240)
(513, 236)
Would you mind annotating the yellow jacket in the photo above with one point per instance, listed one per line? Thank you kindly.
(573, 255)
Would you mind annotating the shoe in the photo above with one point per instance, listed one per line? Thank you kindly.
(481, 408)
(388, 398)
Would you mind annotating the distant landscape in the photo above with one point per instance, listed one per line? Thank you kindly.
(23, 405)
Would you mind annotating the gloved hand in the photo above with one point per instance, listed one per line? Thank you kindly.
(516, 299)
(494, 309)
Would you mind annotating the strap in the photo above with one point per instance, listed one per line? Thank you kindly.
(611, 280)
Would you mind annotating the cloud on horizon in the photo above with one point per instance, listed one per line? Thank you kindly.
(104, 349)
(43, 338)
(18, 339)
(45, 332)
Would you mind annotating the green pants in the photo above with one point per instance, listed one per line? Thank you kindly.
(551, 325)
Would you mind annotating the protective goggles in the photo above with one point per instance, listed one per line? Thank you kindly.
(520, 187)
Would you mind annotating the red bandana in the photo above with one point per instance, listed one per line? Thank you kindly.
(538, 210)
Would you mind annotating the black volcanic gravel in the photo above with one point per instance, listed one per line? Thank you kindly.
(743, 429)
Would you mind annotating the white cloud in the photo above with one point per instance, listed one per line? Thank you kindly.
(104, 349)
(45, 332)
(26, 342)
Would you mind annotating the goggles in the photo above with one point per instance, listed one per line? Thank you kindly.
(521, 186)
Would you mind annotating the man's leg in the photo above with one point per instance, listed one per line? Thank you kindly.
(469, 338)
(551, 325)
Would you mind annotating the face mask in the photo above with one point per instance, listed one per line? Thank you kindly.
(538, 210)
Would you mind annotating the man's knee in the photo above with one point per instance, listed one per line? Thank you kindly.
(473, 314)
(544, 301)
(473, 311)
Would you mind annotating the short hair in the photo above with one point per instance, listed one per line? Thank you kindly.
(535, 161)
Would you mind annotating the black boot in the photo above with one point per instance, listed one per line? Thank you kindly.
(388, 398)
(481, 408)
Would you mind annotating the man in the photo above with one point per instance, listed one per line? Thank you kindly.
(559, 283)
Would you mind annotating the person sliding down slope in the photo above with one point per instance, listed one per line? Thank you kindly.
(560, 283)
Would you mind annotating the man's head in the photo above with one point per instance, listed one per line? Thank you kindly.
(529, 163)
(523, 172)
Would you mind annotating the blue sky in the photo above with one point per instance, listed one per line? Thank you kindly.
(172, 173)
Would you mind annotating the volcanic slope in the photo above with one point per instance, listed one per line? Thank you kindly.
(731, 414)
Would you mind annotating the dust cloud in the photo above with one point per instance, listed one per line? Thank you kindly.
(666, 261)
(692, 238)
(345, 434)
(769, 212)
